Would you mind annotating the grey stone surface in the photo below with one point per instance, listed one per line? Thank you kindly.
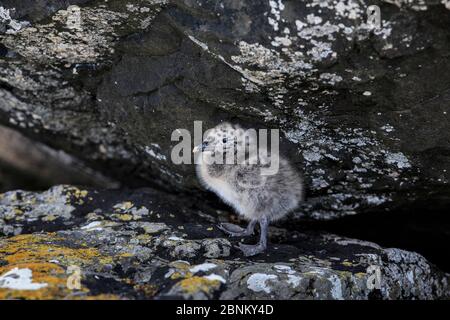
(137, 245)
(363, 110)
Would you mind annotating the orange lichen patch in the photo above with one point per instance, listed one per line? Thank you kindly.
(49, 273)
(197, 284)
(44, 247)
(48, 260)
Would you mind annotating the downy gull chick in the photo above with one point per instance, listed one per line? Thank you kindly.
(240, 183)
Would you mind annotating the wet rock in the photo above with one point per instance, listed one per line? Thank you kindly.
(76, 243)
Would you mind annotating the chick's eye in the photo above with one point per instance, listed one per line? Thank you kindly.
(224, 140)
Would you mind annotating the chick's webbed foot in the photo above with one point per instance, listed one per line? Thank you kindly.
(237, 231)
(261, 246)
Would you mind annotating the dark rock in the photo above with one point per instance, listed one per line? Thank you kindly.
(349, 98)
(35, 10)
(40, 165)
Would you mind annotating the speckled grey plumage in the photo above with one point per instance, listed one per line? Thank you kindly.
(255, 197)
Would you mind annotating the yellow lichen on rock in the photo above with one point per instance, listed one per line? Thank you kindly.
(347, 263)
(198, 284)
(49, 218)
(180, 269)
(18, 211)
(51, 274)
(125, 217)
(47, 258)
(44, 247)
(77, 194)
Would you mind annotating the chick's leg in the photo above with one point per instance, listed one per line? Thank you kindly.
(251, 250)
(236, 231)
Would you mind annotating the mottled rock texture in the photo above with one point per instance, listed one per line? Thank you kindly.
(139, 245)
(363, 109)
